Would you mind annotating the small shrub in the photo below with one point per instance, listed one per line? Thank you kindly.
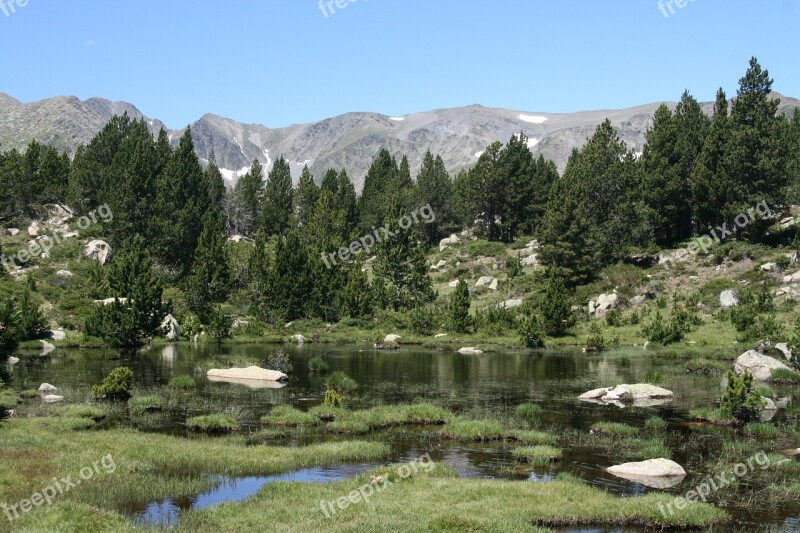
(614, 318)
(740, 401)
(219, 325)
(279, 361)
(532, 330)
(513, 267)
(424, 321)
(116, 386)
(333, 398)
(596, 342)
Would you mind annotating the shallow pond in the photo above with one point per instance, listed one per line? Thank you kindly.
(490, 384)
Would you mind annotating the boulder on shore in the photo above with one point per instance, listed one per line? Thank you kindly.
(470, 350)
(758, 364)
(46, 387)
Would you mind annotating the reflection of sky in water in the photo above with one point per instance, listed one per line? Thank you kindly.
(167, 512)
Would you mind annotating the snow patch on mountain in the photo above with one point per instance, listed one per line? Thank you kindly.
(233, 175)
(533, 119)
(398, 119)
(533, 142)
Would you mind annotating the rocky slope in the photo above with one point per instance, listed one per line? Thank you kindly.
(347, 141)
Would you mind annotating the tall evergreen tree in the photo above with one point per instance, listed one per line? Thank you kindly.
(458, 309)
(210, 279)
(305, 197)
(379, 191)
(277, 203)
(401, 270)
(710, 180)
(248, 197)
(486, 189)
(758, 156)
(182, 202)
(595, 215)
(434, 188)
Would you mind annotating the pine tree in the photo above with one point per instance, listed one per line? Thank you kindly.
(595, 215)
(182, 202)
(556, 309)
(710, 181)
(292, 278)
(357, 299)
(434, 188)
(347, 201)
(277, 203)
(378, 192)
(32, 323)
(486, 191)
(9, 328)
(248, 195)
(139, 310)
(210, 280)
(217, 191)
(458, 310)
(401, 270)
(306, 196)
(758, 156)
(258, 279)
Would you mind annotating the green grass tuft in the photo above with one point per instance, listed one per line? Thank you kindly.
(538, 455)
(212, 424)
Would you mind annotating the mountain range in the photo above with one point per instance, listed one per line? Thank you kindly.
(348, 141)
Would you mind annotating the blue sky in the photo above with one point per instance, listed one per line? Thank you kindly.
(279, 62)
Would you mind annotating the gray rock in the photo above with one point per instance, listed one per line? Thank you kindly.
(46, 387)
(64, 274)
(470, 350)
(448, 241)
(391, 339)
(659, 468)
(510, 304)
(605, 303)
(99, 251)
(784, 349)
(728, 298)
(171, 328)
(58, 335)
(13, 360)
(299, 338)
(760, 365)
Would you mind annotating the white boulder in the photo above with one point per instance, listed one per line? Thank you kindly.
(605, 303)
(470, 350)
(64, 274)
(452, 239)
(46, 387)
(98, 250)
(728, 298)
(656, 473)
(391, 338)
(171, 328)
(58, 335)
(758, 364)
(299, 338)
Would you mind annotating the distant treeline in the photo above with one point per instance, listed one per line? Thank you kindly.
(695, 172)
